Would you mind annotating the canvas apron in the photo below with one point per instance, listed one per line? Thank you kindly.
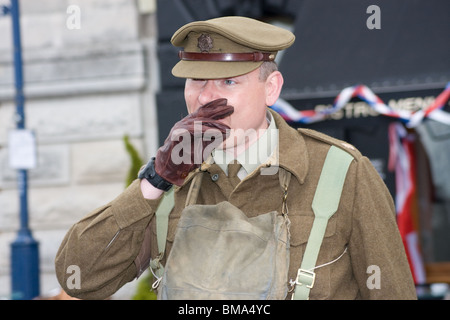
(220, 253)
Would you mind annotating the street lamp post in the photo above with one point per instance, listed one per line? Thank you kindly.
(24, 249)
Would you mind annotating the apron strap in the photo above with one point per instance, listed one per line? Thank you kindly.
(325, 204)
(197, 182)
(162, 226)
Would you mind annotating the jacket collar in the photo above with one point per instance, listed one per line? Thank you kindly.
(292, 153)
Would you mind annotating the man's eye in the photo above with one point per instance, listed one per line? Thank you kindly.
(229, 82)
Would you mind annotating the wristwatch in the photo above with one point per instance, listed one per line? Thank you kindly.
(148, 172)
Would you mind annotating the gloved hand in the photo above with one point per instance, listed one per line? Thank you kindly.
(190, 152)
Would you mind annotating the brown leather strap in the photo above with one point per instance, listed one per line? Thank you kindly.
(227, 57)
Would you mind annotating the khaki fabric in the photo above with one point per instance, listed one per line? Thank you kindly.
(211, 246)
(227, 35)
(106, 243)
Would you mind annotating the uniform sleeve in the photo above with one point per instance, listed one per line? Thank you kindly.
(376, 249)
(103, 246)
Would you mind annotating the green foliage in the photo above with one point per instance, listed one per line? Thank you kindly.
(144, 289)
(136, 161)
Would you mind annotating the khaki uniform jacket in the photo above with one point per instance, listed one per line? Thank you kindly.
(112, 244)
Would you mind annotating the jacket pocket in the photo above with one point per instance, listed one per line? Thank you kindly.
(301, 226)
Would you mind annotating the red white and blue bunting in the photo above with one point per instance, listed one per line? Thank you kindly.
(402, 161)
(410, 118)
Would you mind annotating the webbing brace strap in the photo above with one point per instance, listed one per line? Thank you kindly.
(162, 226)
(325, 204)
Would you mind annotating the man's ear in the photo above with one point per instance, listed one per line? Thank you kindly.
(274, 83)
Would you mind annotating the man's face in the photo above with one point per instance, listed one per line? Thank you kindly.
(246, 93)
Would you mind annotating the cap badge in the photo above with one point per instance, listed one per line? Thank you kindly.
(205, 42)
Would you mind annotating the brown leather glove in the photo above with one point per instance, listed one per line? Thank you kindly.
(190, 151)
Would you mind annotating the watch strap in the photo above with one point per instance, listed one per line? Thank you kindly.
(148, 172)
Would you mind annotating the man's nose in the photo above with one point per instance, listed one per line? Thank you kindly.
(208, 92)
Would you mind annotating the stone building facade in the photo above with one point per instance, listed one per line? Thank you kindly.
(91, 73)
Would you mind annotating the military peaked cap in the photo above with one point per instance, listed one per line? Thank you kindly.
(227, 47)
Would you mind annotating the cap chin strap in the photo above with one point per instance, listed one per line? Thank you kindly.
(226, 57)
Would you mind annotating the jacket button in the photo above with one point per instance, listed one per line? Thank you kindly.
(215, 177)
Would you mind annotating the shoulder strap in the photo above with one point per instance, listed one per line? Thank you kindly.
(325, 204)
(162, 225)
(162, 218)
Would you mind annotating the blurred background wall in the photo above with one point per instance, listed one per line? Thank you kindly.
(86, 87)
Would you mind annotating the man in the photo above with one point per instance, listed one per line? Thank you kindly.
(231, 79)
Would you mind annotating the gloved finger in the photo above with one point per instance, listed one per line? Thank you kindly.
(211, 123)
(216, 109)
(198, 126)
